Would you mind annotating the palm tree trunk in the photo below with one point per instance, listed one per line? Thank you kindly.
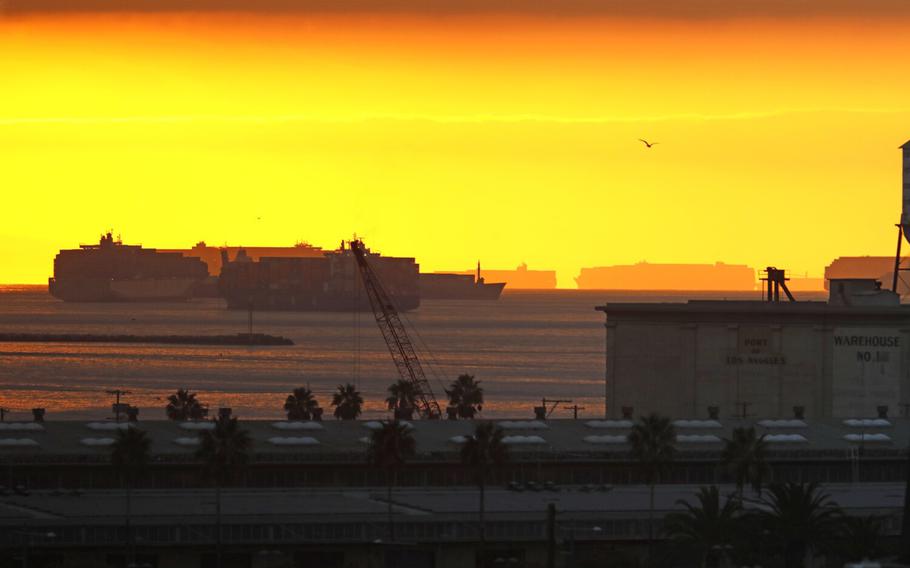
(483, 525)
(130, 549)
(651, 528)
(390, 481)
(218, 524)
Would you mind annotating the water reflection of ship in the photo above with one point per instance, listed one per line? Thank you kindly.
(113, 272)
(447, 286)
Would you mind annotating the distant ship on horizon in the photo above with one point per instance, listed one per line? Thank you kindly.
(651, 276)
(879, 268)
(454, 286)
(521, 278)
(114, 272)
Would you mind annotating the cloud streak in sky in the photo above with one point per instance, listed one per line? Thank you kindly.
(441, 119)
(659, 9)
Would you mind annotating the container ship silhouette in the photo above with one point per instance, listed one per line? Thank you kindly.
(650, 276)
(449, 286)
(114, 272)
(328, 282)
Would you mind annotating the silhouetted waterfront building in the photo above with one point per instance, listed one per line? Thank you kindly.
(842, 358)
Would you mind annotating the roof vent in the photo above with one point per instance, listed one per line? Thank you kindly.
(882, 411)
(540, 413)
(799, 412)
(38, 414)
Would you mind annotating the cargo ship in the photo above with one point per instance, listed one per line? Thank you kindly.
(329, 282)
(212, 256)
(114, 272)
(650, 276)
(520, 278)
(879, 268)
(449, 286)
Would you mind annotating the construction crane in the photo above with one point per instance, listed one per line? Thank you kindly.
(395, 335)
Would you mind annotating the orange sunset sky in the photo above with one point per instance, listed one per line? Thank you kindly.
(451, 134)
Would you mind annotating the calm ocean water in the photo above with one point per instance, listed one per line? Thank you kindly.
(526, 346)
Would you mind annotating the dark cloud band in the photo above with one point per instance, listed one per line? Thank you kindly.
(661, 9)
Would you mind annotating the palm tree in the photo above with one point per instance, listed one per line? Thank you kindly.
(390, 446)
(653, 441)
(402, 398)
(744, 455)
(347, 402)
(129, 456)
(466, 396)
(706, 527)
(801, 518)
(859, 538)
(301, 405)
(481, 453)
(183, 405)
(223, 450)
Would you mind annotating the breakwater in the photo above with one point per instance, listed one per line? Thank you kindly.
(258, 339)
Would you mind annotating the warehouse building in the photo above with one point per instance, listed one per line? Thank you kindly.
(308, 497)
(434, 528)
(848, 357)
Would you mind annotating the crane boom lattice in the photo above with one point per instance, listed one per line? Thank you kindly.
(395, 335)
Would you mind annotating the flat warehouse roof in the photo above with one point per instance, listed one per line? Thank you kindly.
(281, 441)
(695, 311)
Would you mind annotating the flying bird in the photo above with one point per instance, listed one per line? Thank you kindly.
(646, 143)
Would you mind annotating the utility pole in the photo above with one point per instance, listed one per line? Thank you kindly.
(574, 408)
(118, 393)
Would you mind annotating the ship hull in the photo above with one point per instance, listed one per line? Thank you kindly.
(457, 287)
(110, 290)
(113, 272)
